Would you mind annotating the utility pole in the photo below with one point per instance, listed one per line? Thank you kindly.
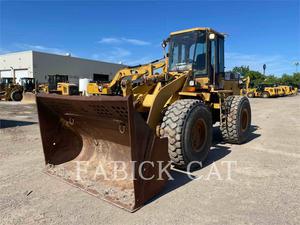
(264, 68)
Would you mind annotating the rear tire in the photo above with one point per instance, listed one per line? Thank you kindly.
(237, 123)
(16, 96)
(265, 94)
(188, 125)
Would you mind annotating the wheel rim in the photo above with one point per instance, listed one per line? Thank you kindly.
(199, 135)
(16, 96)
(244, 119)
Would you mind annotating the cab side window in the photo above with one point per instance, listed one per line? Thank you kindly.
(221, 54)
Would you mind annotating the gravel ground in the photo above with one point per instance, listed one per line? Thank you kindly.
(264, 187)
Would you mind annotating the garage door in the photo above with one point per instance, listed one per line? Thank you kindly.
(5, 73)
(20, 74)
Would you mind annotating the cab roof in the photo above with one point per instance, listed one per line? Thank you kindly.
(197, 29)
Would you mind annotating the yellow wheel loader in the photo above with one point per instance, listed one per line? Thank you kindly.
(10, 90)
(118, 146)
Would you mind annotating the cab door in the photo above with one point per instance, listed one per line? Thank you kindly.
(216, 59)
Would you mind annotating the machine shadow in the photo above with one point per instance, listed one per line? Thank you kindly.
(217, 152)
(252, 135)
(182, 177)
(217, 136)
(14, 123)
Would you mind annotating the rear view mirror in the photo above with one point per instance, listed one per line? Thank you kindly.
(164, 43)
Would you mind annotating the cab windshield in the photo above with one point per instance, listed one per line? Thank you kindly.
(6, 80)
(188, 51)
(73, 90)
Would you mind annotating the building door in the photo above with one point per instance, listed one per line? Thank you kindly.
(5, 73)
(21, 74)
(100, 77)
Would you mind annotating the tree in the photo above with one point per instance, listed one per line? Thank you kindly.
(255, 76)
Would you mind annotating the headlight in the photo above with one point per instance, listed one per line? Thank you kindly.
(192, 83)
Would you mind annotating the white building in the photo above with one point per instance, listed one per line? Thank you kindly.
(39, 65)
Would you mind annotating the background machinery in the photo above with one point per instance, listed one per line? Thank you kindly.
(135, 73)
(264, 91)
(10, 90)
(280, 90)
(144, 119)
(289, 90)
(30, 87)
(59, 84)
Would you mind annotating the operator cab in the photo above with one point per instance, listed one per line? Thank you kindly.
(28, 84)
(5, 82)
(200, 50)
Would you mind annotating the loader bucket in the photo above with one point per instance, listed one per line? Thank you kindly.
(101, 145)
(28, 98)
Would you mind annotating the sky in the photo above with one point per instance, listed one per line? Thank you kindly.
(258, 32)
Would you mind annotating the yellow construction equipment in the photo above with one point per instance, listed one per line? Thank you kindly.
(141, 121)
(133, 72)
(59, 84)
(61, 89)
(263, 90)
(95, 88)
(280, 90)
(29, 90)
(245, 86)
(67, 89)
(288, 90)
(10, 90)
(294, 90)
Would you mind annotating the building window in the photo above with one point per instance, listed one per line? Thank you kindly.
(100, 77)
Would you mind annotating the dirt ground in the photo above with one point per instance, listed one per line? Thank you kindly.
(264, 187)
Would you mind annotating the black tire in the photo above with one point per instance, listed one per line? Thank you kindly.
(265, 94)
(237, 123)
(180, 120)
(250, 95)
(16, 96)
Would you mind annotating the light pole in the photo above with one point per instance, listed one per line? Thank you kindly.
(264, 68)
(13, 73)
(297, 64)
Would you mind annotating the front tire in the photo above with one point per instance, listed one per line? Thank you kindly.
(265, 94)
(16, 96)
(236, 126)
(188, 125)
